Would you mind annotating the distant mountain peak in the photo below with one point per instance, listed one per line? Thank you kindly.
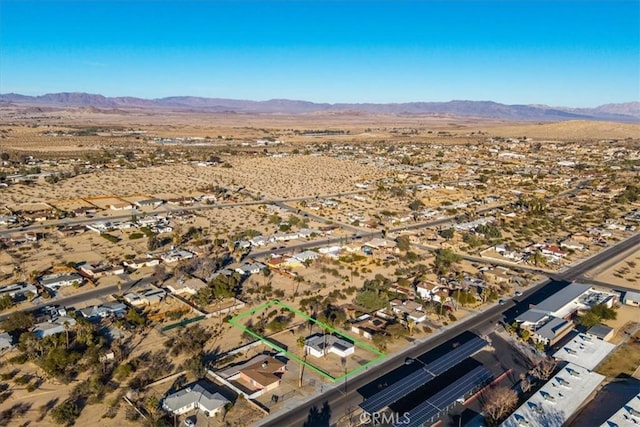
(624, 112)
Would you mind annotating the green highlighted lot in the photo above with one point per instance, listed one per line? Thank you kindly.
(327, 367)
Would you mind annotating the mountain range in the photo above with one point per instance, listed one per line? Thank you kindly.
(624, 112)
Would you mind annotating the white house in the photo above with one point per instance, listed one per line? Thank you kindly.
(146, 297)
(258, 241)
(100, 270)
(306, 256)
(250, 268)
(142, 262)
(6, 342)
(427, 290)
(56, 281)
(176, 255)
(321, 345)
(631, 298)
(53, 327)
(19, 290)
(190, 286)
(195, 396)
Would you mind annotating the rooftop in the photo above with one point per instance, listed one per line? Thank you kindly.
(557, 400)
(204, 399)
(563, 297)
(550, 329)
(627, 415)
(585, 351)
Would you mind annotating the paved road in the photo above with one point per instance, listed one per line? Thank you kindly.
(167, 209)
(98, 292)
(339, 402)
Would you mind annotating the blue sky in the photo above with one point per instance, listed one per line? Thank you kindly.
(571, 53)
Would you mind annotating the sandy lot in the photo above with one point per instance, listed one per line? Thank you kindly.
(624, 273)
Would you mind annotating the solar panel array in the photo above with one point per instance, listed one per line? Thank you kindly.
(396, 391)
(457, 355)
(415, 380)
(429, 410)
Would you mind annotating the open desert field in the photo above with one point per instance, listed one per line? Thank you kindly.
(624, 273)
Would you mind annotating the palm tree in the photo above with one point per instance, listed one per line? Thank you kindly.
(538, 258)
(301, 343)
(411, 324)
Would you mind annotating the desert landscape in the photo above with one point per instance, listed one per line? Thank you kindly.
(342, 216)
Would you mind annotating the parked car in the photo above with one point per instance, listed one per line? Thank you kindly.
(502, 301)
(518, 293)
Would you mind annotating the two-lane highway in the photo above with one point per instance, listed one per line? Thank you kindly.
(339, 402)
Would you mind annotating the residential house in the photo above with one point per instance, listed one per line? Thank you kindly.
(19, 291)
(198, 396)
(103, 311)
(572, 244)
(190, 286)
(95, 271)
(306, 256)
(149, 203)
(367, 326)
(408, 310)
(258, 241)
(53, 326)
(247, 269)
(631, 298)
(141, 262)
(497, 275)
(120, 206)
(426, 290)
(150, 296)
(6, 341)
(55, 281)
(305, 233)
(319, 345)
(258, 375)
(176, 255)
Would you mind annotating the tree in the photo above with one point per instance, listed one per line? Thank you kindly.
(411, 324)
(397, 330)
(448, 233)
(403, 243)
(589, 319)
(604, 312)
(301, 343)
(445, 258)
(499, 402)
(371, 300)
(380, 341)
(545, 368)
(153, 242)
(134, 317)
(525, 383)
(65, 413)
(226, 408)
(538, 259)
(196, 366)
(416, 205)
(5, 302)
(18, 321)
(4, 157)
